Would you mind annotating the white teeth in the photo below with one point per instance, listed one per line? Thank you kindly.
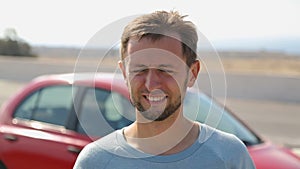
(155, 99)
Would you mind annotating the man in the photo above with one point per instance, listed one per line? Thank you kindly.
(158, 64)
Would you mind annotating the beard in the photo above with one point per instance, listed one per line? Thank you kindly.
(158, 115)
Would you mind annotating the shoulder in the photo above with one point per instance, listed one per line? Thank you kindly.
(100, 149)
(227, 147)
(219, 137)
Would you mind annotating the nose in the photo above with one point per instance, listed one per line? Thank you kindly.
(153, 80)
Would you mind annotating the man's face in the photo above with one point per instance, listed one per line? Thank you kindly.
(156, 75)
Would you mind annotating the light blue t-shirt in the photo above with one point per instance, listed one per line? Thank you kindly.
(213, 149)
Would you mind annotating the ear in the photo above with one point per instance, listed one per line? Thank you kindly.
(193, 73)
(122, 67)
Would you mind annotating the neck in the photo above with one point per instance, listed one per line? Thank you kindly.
(169, 136)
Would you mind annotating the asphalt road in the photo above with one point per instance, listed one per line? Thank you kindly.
(269, 104)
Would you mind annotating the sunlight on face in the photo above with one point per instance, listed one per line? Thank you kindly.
(156, 74)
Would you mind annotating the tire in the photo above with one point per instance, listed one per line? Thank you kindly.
(2, 166)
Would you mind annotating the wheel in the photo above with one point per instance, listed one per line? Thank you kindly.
(2, 166)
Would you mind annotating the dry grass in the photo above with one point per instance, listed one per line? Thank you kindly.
(277, 66)
(272, 64)
(253, 63)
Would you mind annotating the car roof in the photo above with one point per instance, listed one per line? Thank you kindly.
(72, 78)
(109, 81)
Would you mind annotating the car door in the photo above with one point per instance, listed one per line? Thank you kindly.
(38, 137)
(103, 111)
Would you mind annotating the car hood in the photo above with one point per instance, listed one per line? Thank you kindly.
(268, 155)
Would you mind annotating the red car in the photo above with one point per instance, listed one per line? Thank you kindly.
(48, 122)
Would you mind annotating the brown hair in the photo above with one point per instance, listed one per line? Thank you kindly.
(159, 24)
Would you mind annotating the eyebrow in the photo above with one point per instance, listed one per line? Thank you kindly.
(159, 66)
(166, 66)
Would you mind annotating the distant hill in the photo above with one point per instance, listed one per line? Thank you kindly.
(288, 45)
(223, 51)
(255, 47)
(46, 51)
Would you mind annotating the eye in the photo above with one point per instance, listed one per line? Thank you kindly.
(166, 71)
(139, 71)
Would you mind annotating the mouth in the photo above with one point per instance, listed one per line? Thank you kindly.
(155, 99)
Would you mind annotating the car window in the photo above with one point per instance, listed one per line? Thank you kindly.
(50, 105)
(104, 111)
(210, 113)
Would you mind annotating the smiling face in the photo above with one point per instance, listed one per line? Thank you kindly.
(157, 76)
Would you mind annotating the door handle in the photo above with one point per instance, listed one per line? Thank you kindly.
(10, 137)
(73, 149)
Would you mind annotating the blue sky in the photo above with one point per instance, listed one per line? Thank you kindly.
(70, 22)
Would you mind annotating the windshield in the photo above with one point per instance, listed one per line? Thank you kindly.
(200, 107)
